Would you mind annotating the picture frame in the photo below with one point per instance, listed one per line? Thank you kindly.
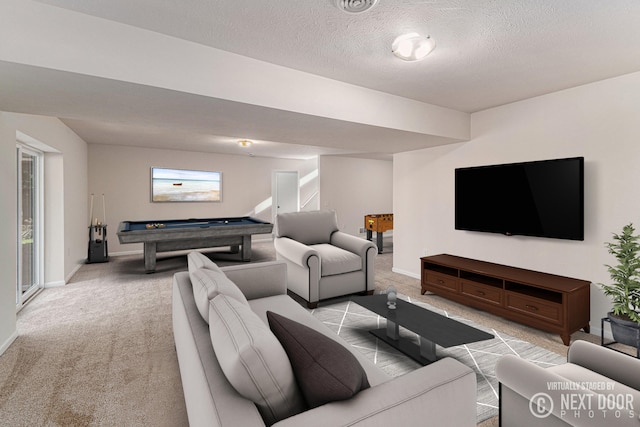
(185, 185)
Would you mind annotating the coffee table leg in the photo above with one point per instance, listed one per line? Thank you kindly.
(428, 349)
(393, 330)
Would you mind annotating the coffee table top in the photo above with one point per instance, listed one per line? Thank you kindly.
(432, 326)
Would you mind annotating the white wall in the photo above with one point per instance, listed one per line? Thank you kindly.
(65, 204)
(355, 188)
(598, 121)
(123, 175)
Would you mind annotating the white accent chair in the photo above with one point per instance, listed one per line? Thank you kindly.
(323, 262)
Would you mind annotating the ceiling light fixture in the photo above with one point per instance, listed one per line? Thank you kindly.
(355, 6)
(412, 46)
(245, 143)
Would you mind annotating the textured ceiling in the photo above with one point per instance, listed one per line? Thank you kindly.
(488, 52)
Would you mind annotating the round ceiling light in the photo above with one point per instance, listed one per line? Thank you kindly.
(355, 6)
(412, 46)
(245, 143)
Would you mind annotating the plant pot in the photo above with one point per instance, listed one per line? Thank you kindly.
(625, 331)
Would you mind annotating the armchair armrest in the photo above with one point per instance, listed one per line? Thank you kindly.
(294, 251)
(529, 380)
(611, 364)
(260, 279)
(444, 393)
(351, 243)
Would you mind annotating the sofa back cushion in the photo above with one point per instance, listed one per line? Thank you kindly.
(207, 284)
(253, 359)
(310, 228)
(196, 260)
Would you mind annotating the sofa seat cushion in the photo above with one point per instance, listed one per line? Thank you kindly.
(325, 370)
(253, 359)
(207, 284)
(612, 391)
(335, 260)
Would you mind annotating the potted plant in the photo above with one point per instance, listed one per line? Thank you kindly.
(625, 289)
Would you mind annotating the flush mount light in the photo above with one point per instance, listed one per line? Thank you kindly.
(355, 6)
(245, 143)
(412, 46)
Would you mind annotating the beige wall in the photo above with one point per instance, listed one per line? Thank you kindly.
(65, 206)
(123, 174)
(355, 188)
(598, 121)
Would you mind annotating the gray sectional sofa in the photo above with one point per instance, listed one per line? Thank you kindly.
(235, 372)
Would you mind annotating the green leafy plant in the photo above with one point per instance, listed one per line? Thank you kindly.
(625, 289)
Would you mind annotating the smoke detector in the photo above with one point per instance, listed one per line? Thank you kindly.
(355, 6)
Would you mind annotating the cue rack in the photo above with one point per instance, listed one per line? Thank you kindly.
(98, 251)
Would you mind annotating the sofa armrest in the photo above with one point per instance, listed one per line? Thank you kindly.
(444, 393)
(352, 244)
(260, 279)
(604, 361)
(296, 252)
(530, 381)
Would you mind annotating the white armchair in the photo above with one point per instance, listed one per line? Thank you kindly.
(323, 262)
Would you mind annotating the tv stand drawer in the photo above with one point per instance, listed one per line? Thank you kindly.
(477, 290)
(534, 307)
(449, 283)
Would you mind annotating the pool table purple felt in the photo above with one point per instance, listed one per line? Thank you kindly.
(177, 234)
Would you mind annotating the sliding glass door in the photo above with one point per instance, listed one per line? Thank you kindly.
(29, 251)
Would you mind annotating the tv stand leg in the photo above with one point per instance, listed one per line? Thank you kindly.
(566, 339)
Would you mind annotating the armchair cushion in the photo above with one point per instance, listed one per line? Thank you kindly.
(253, 359)
(324, 369)
(309, 228)
(334, 260)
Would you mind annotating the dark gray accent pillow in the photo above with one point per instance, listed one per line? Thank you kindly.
(324, 369)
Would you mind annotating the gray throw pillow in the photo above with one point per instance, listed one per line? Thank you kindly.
(324, 369)
(207, 284)
(253, 360)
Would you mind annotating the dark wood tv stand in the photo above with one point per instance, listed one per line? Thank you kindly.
(544, 301)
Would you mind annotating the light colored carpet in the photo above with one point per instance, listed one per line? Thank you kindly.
(99, 351)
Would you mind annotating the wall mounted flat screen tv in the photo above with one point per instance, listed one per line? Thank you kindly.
(542, 198)
(180, 185)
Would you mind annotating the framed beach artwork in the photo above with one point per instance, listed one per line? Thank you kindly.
(181, 185)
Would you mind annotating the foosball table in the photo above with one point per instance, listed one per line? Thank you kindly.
(378, 223)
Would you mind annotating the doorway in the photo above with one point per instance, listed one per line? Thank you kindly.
(30, 219)
(285, 192)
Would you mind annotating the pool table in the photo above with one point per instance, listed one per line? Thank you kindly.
(178, 234)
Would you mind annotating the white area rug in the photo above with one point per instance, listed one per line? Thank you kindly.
(353, 323)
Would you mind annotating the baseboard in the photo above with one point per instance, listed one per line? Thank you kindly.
(597, 331)
(406, 273)
(58, 283)
(8, 342)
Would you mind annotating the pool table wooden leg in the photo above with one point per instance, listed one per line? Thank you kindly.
(150, 257)
(246, 248)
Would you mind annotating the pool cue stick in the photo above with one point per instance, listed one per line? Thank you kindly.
(91, 212)
(104, 214)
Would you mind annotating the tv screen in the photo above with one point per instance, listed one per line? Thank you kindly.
(180, 185)
(542, 198)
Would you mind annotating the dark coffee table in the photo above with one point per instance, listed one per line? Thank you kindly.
(432, 328)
